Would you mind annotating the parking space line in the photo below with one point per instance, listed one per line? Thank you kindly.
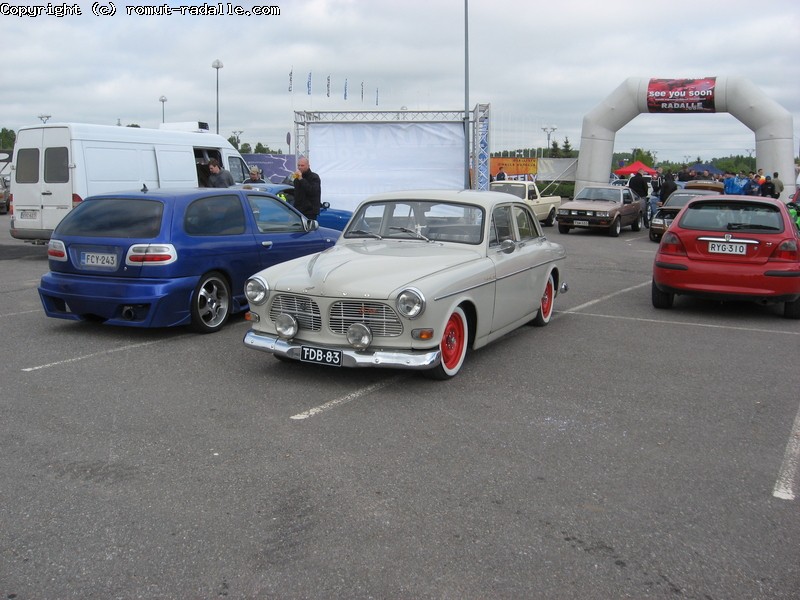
(23, 312)
(93, 354)
(784, 486)
(608, 296)
(345, 399)
(687, 323)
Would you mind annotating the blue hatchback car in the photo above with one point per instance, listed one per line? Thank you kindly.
(170, 257)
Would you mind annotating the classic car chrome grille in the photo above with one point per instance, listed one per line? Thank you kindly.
(381, 319)
(301, 308)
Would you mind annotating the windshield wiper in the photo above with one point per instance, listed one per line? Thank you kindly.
(411, 231)
(362, 232)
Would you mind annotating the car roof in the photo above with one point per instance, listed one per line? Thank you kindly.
(477, 197)
(175, 195)
(606, 186)
(735, 199)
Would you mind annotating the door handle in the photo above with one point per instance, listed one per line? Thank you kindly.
(47, 193)
(267, 244)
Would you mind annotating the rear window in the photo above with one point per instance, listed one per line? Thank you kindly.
(27, 170)
(732, 216)
(114, 217)
(517, 189)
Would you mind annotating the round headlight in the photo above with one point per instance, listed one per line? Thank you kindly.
(359, 336)
(256, 290)
(286, 326)
(410, 303)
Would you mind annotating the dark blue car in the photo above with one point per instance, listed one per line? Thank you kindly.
(334, 218)
(170, 257)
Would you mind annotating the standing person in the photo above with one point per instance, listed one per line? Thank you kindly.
(307, 189)
(778, 185)
(219, 177)
(768, 188)
(501, 175)
(667, 188)
(255, 175)
(656, 183)
(639, 185)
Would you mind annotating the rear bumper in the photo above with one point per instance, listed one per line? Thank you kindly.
(419, 360)
(764, 283)
(117, 301)
(30, 235)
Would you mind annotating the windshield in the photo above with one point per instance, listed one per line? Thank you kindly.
(608, 195)
(114, 217)
(426, 220)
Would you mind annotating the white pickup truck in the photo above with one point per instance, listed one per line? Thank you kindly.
(545, 207)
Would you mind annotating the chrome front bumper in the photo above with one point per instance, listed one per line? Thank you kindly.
(392, 359)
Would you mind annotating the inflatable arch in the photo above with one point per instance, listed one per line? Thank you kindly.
(771, 123)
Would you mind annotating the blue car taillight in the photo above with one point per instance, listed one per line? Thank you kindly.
(151, 254)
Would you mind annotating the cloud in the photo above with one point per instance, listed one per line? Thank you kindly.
(535, 63)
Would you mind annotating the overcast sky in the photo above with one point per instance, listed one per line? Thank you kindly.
(536, 63)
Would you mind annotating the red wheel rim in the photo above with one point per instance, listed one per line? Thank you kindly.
(452, 344)
(547, 299)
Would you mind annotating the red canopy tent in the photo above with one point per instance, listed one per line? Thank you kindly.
(633, 168)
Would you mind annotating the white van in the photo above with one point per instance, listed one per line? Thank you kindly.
(55, 166)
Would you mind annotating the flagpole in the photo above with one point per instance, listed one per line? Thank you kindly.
(466, 95)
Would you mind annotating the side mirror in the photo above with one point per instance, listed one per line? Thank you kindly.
(311, 224)
(507, 246)
(326, 205)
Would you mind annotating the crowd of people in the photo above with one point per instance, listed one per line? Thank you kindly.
(663, 184)
(754, 183)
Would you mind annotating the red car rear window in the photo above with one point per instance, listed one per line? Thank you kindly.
(733, 216)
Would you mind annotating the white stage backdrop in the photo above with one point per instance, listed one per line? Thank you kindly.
(356, 160)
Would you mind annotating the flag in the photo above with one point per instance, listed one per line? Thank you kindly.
(345, 89)
(290, 79)
(329, 86)
(376, 96)
(309, 83)
(362, 91)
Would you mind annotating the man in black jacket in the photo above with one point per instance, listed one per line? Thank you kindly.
(307, 189)
(639, 185)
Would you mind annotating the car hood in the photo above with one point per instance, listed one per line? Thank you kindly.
(590, 204)
(366, 268)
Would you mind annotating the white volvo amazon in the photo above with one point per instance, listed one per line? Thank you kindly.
(416, 279)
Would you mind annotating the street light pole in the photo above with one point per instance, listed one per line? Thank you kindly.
(217, 65)
(548, 129)
(163, 101)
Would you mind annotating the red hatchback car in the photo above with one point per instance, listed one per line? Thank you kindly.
(730, 248)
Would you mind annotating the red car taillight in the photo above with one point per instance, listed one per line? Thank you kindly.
(786, 250)
(671, 244)
(76, 200)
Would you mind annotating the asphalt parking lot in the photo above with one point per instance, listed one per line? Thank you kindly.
(619, 452)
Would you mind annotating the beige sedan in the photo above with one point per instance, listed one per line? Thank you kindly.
(416, 279)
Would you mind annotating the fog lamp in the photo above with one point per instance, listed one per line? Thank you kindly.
(286, 326)
(359, 336)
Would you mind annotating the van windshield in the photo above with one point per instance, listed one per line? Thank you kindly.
(113, 217)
